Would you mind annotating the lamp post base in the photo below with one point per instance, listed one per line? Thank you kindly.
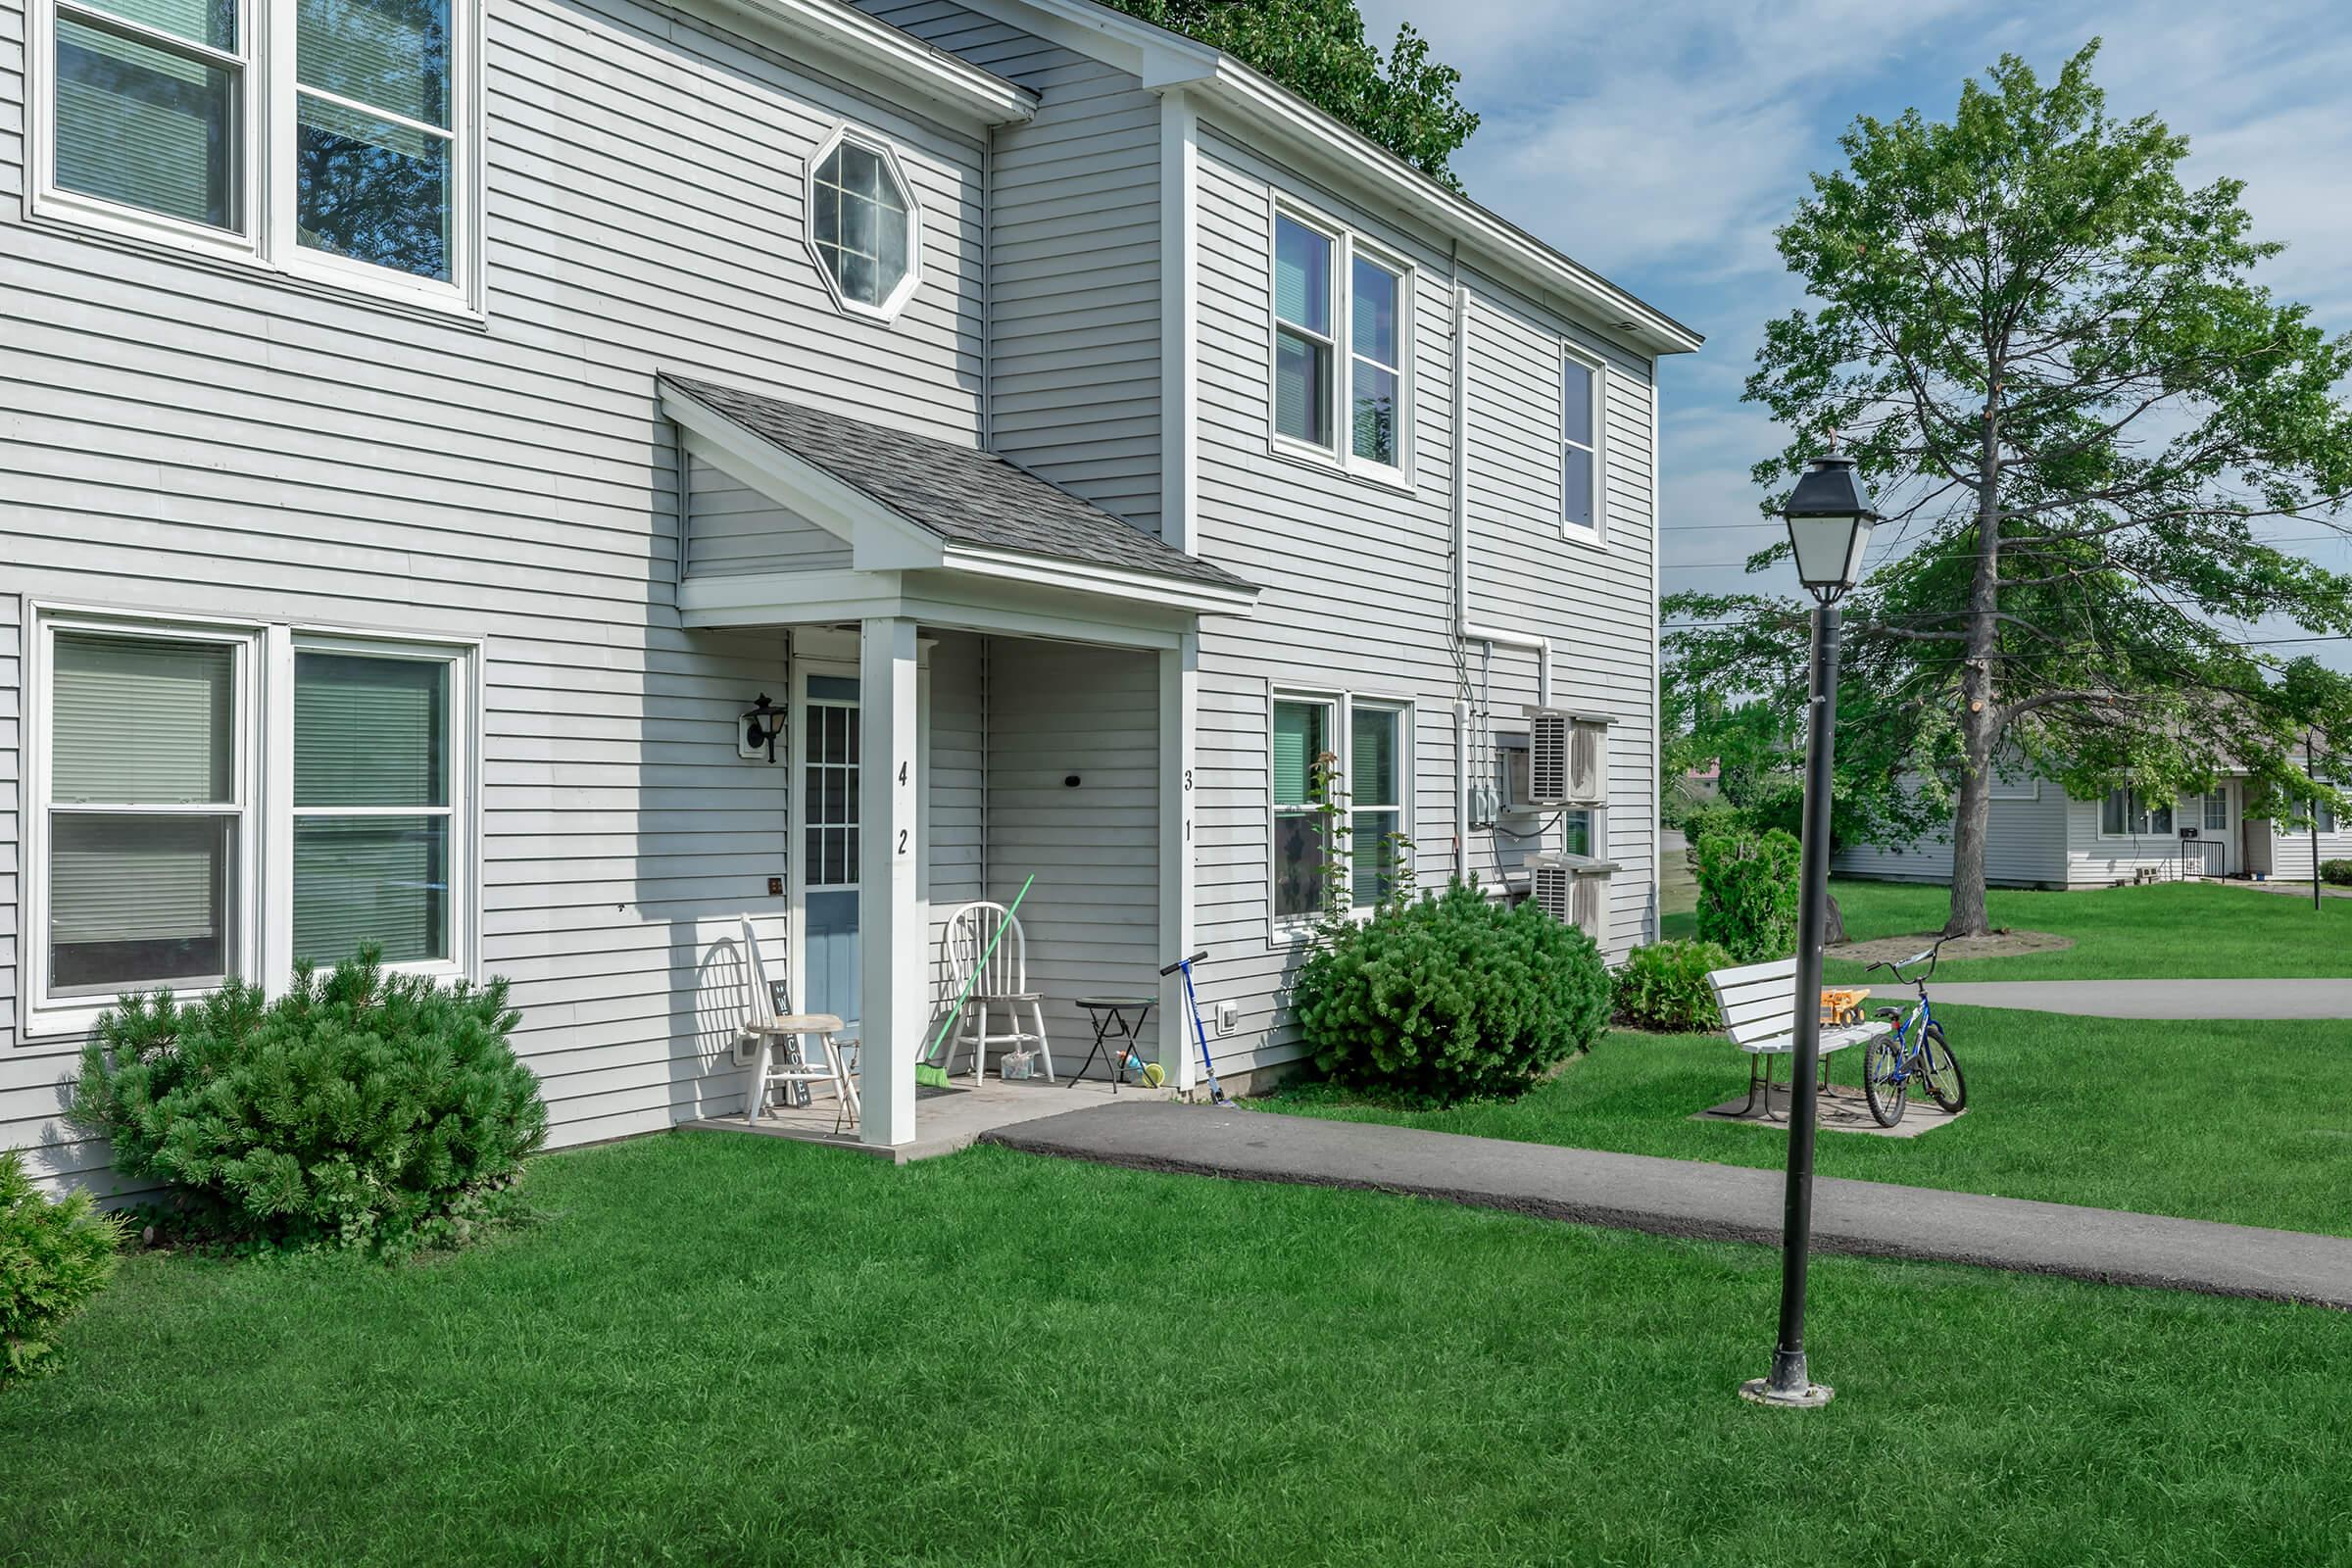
(1804, 1397)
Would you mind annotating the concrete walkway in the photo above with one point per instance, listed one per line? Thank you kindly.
(2149, 998)
(1687, 1197)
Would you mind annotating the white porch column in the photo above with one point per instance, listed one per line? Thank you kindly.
(1179, 692)
(889, 923)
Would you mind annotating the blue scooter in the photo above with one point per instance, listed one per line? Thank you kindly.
(1216, 1089)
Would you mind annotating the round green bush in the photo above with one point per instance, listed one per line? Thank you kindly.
(358, 1110)
(2338, 872)
(1664, 987)
(1748, 894)
(1451, 997)
(54, 1256)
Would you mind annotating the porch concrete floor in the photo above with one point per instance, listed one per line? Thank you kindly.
(945, 1119)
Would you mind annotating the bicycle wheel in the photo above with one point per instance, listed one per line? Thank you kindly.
(1884, 1083)
(1942, 1072)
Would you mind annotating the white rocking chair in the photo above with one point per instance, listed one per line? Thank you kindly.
(790, 1048)
(1002, 988)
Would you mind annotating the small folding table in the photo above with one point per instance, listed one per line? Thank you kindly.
(1118, 1025)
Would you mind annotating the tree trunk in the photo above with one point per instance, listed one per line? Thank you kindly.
(1980, 717)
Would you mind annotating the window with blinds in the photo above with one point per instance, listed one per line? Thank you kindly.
(145, 809)
(373, 809)
(163, 124)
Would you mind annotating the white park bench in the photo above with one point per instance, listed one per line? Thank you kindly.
(1758, 1002)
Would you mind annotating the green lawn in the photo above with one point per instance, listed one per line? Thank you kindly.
(2245, 1122)
(2176, 929)
(731, 1349)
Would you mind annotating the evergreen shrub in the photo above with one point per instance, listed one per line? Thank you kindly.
(2338, 872)
(1664, 987)
(1747, 891)
(359, 1110)
(1450, 997)
(54, 1256)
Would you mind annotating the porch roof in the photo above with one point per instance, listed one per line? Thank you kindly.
(960, 495)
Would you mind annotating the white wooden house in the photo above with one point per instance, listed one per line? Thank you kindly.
(2042, 837)
(430, 428)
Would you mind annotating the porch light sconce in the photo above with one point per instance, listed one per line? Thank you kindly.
(763, 725)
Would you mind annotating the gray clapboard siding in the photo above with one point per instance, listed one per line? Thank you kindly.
(1074, 257)
(1091, 919)
(2026, 843)
(733, 529)
(958, 786)
(1358, 590)
(12, 838)
(192, 440)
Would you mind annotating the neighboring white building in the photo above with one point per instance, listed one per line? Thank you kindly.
(425, 444)
(2040, 836)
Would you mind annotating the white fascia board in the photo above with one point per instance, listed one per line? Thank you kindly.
(939, 77)
(1164, 59)
(880, 539)
(788, 598)
(1111, 582)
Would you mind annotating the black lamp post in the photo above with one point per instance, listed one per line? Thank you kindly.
(1829, 517)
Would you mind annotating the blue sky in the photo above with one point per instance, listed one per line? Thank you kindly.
(1662, 143)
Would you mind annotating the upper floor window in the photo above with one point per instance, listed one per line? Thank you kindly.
(320, 137)
(1580, 445)
(1331, 289)
(863, 224)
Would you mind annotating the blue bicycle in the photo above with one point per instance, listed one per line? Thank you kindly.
(1915, 1052)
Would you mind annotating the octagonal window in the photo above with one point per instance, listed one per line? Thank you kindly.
(861, 225)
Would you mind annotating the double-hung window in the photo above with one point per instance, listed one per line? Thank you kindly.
(143, 787)
(1342, 342)
(213, 802)
(375, 738)
(1581, 384)
(2125, 814)
(1361, 748)
(2217, 812)
(326, 138)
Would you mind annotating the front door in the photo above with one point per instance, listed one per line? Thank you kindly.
(824, 802)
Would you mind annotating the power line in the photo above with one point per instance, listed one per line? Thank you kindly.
(2023, 542)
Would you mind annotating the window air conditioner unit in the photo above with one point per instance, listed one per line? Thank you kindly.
(1573, 890)
(1567, 758)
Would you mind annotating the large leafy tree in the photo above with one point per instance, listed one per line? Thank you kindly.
(1317, 48)
(2085, 419)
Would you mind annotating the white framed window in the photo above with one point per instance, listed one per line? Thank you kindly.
(213, 799)
(1583, 387)
(865, 228)
(379, 766)
(1366, 742)
(143, 837)
(1341, 316)
(2125, 814)
(333, 140)
(2217, 812)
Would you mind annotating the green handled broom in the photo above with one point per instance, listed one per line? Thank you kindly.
(927, 1076)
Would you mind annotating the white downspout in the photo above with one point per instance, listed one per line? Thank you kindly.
(1464, 627)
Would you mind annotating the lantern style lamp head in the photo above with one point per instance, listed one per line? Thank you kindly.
(1830, 515)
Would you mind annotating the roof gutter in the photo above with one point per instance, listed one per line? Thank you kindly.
(945, 80)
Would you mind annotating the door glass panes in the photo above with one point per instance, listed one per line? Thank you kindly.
(371, 806)
(1376, 816)
(148, 124)
(1303, 340)
(2217, 812)
(374, 147)
(829, 735)
(1376, 371)
(1301, 735)
(860, 221)
(1580, 451)
(144, 811)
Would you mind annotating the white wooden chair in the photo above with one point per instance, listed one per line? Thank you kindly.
(1759, 1002)
(1002, 988)
(789, 1048)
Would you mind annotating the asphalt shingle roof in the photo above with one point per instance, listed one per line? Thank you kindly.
(963, 495)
